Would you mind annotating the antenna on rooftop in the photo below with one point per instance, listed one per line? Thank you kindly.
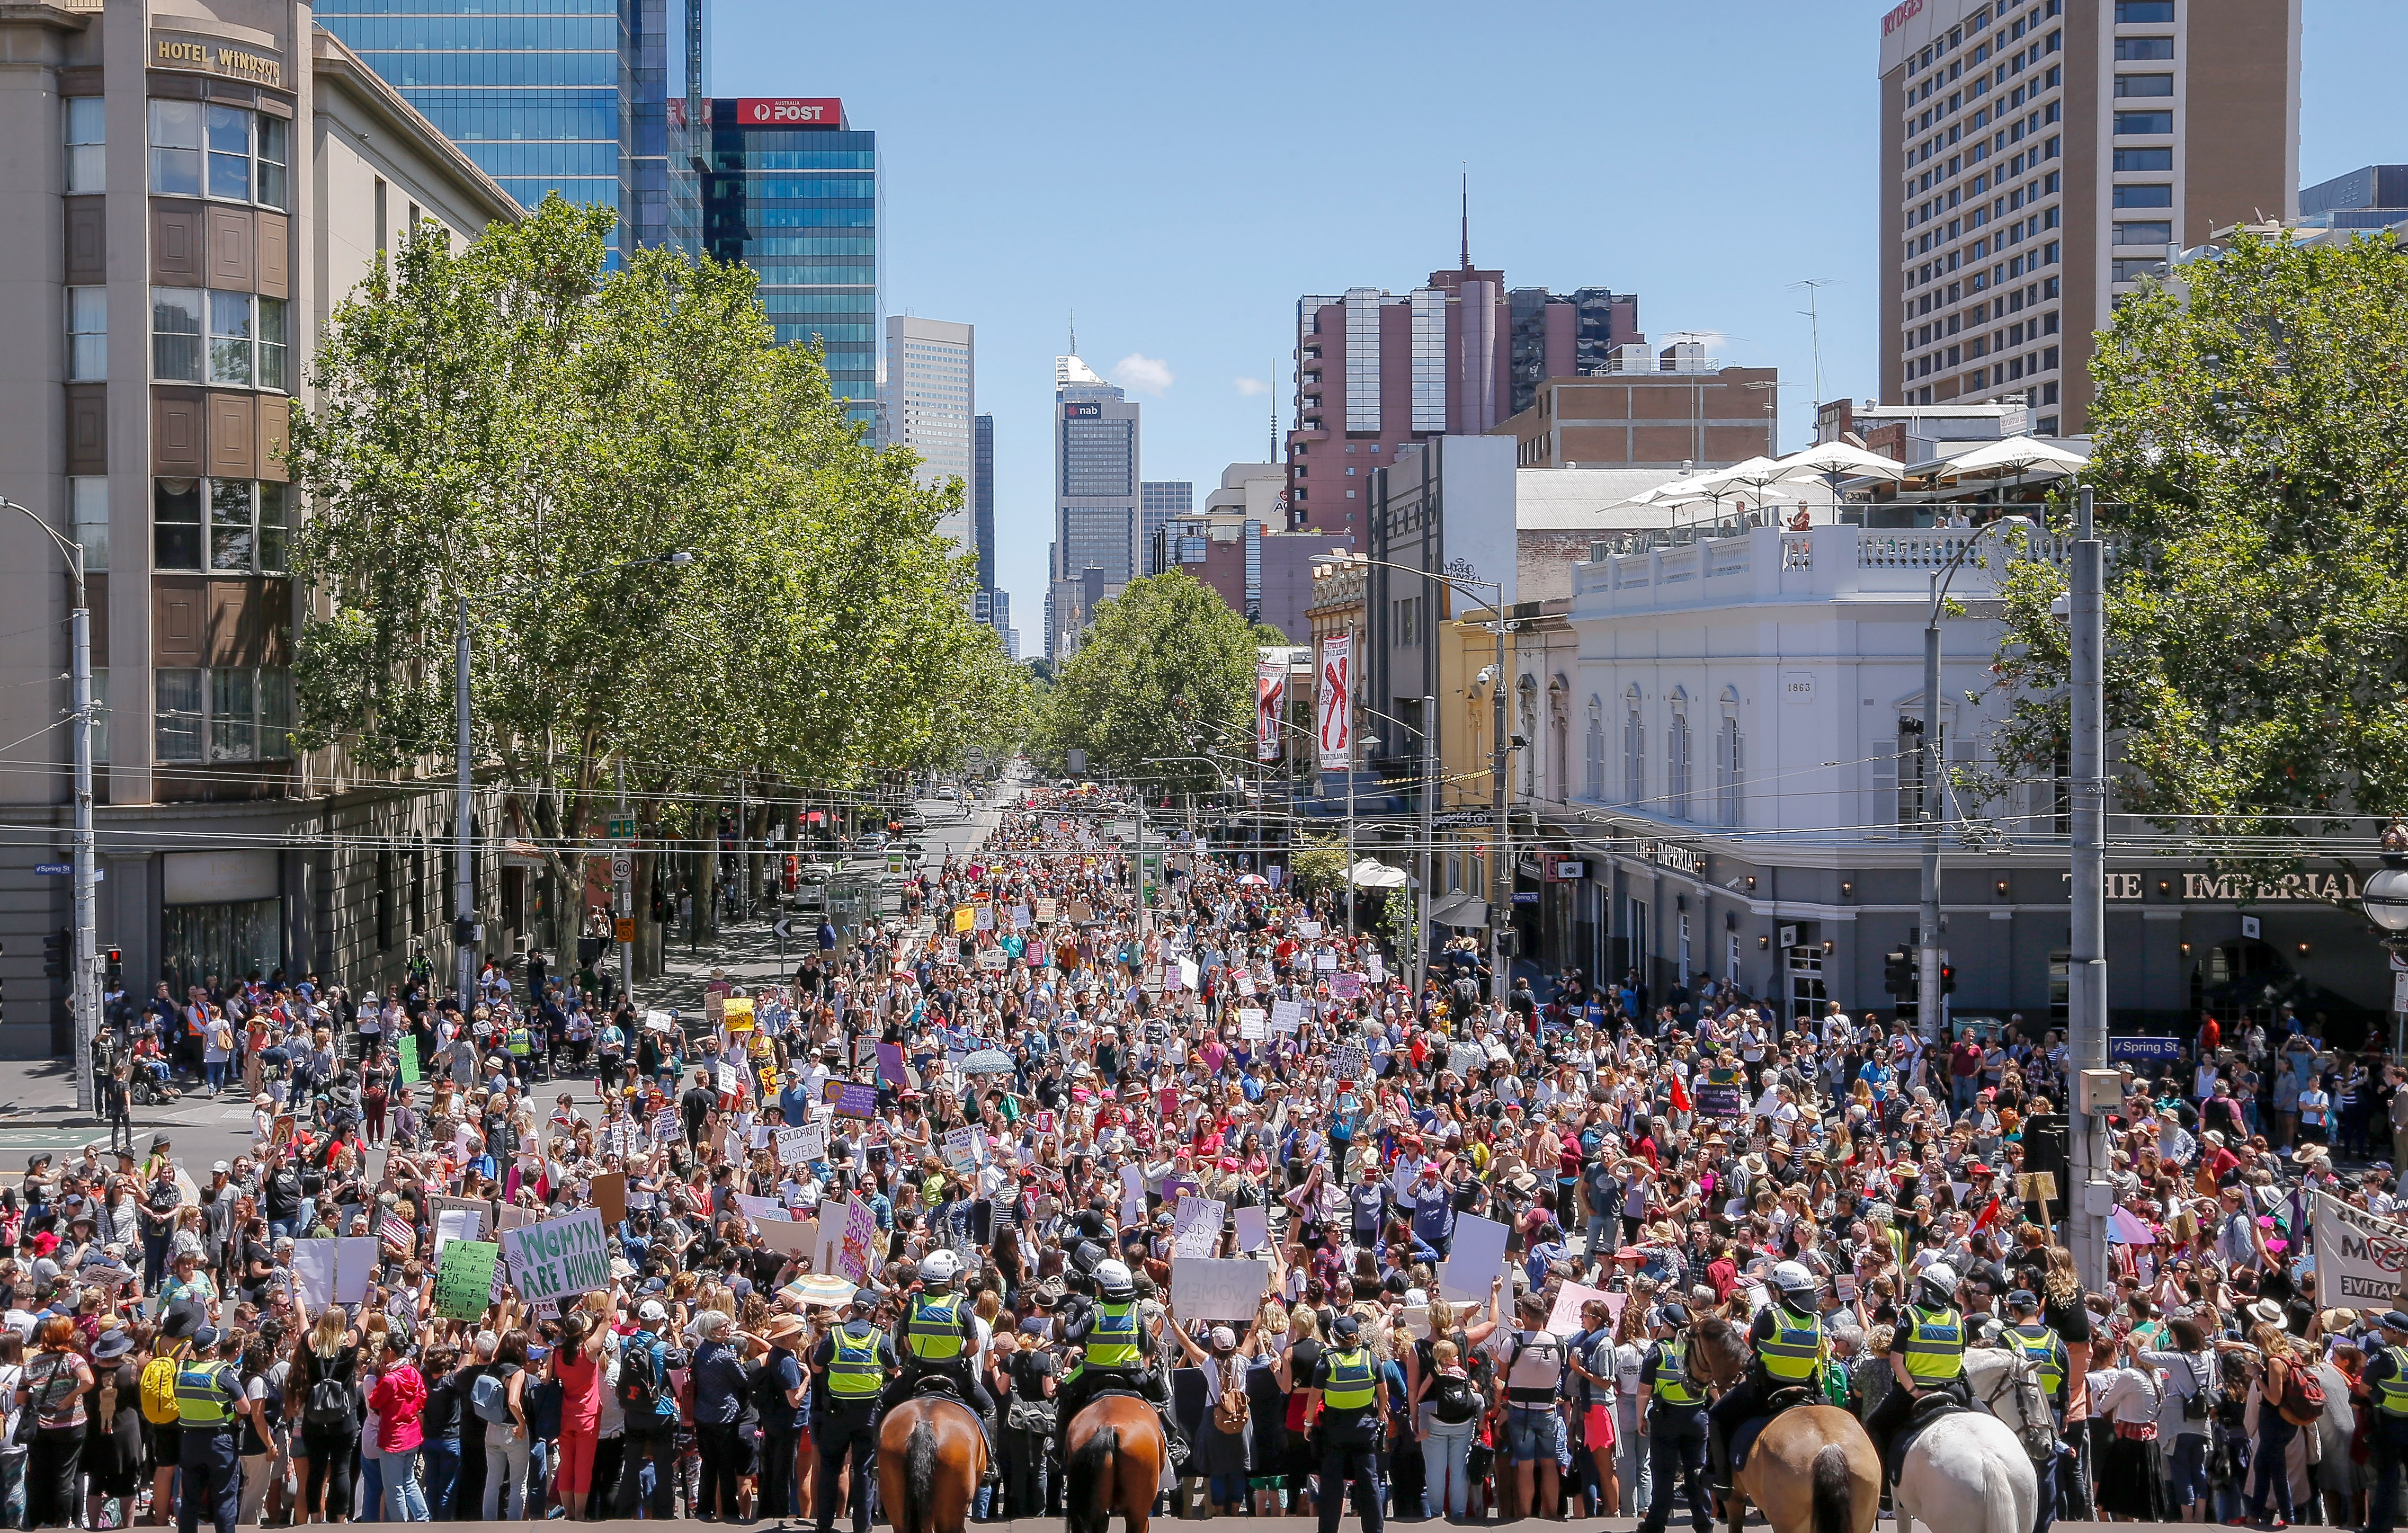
(1467, 215)
(1815, 322)
(1074, 332)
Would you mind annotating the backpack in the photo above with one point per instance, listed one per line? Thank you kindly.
(1230, 1406)
(159, 1390)
(329, 1400)
(1453, 1399)
(490, 1399)
(2303, 1396)
(639, 1382)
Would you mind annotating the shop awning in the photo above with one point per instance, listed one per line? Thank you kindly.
(1465, 913)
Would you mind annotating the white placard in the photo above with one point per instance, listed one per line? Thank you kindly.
(455, 1224)
(1566, 1320)
(1203, 1288)
(964, 1148)
(337, 1272)
(1324, 963)
(1132, 1195)
(1246, 983)
(1196, 1229)
(1253, 1021)
(1476, 1259)
(1287, 1016)
(794, 1145)
(763, 1210)
(1308, 929)
(1254, 1228)
(1464, 1058)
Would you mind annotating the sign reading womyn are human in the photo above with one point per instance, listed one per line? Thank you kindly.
(559, 1258)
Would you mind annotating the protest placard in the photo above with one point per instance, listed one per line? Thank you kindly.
(412, 1071)
(814, 1141)
(1475, 1261)
(965, 1149)
(457, 1224)
(1326, 963)
(1245, 983)
(464, 1279)
(851, 1098)
(794, 1145)
(761, 1210)
(856, 1257)
(791, 1237)
(1347, 1062)
(1376, 968)
(1132, 1195)
(1206, 1288)
(99, 1269)
(665, 1126)
(865, 1048)
(1196, 1228)
(1286, 1016)
(736, 1014)
(336, 1271)
(1045, 910)
(1464, 1058)
(1308, 929)
(559, 1258)
(1253, 1021)
(1254, 1228)
(1347, 986)
(1564, 1319)
(611, 1197)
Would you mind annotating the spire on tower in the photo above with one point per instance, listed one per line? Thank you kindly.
(1466, 216)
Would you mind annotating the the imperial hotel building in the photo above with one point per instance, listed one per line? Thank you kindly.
(190, 190)
(2041, 156)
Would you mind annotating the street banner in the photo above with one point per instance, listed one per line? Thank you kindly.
(1270, 705)
(464, 1279)
(1207, 1288)
(559, 1258)
(1336, 702)
(2359, 1256)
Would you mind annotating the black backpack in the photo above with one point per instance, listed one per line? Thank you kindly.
(639, 1384)
(1452, 1400)
(329, 1400)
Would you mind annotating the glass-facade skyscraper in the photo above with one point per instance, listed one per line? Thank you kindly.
(793, 191)
(594, 100)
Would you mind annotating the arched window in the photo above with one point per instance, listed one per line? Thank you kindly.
(1593, 775)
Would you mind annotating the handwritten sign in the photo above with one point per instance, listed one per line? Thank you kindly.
(1253, 1021)
(1464, 1058)
(964, 1148)
(1347, 1062)
(1287, 1016)
(559, 1258)
(1206, 1288)
(1196, 1228)
(851, 1098)
(856, 1254)
(464, 1277)
(1566, 1319)
(1045, 911)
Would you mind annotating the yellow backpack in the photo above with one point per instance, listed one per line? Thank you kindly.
(159, 1386)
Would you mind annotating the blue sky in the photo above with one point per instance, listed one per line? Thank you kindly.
(1179, 175)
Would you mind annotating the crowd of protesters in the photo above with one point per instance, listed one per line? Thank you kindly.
(1222, 1038)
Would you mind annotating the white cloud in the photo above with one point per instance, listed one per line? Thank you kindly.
(1142, 373)
(1251, 386)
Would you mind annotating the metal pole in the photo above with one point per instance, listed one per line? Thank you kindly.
(87, 947)
(743, 856)
(1429, 847)
(626, 892)
(1353, 659)
(2087, 1011)
(1144, 912)
(1926, 984)
(1501, 879)
(464, 881)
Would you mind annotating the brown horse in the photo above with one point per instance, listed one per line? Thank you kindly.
(1813, 1468)
(931, 1457)
(1111, 1461)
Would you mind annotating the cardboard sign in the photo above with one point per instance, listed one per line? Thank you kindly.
(1203, 1288)
(464, 1277)
(1347, 986)
(1196, 1228)
(457, 1224)
(611, 1197)
(1245, 983)
(336, 1271)
(865, 1048)
(850, 1100)
(2036, 1187)
(559, 1258)
(856, 1254)
(1477, 1258)
(1287, 1016)
(790, 1237)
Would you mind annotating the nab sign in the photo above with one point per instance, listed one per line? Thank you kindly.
(790, 112)
(1082, 410)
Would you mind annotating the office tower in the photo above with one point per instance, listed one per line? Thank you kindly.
(983, 498)
(2369, 197)
(791, 190)
(1159, 501)
(201, 182)
(593, 100)
(2040, 157)
(1095, 499)
(1377, 371)
(931, 405)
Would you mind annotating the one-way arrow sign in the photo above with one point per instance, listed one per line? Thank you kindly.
(784, 928)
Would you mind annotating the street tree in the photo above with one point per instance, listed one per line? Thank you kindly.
(1164, 670)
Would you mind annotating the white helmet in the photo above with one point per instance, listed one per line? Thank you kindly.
(1794, 1279)
(940, 1267)
(1114, 1280)
(1940, 1279)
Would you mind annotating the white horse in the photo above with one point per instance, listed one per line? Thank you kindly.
(1968, 1473)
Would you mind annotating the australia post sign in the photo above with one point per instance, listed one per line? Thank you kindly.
(790, 112)
(2358, 1256)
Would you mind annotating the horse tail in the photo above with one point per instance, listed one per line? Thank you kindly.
(2001, 1512)
(1834, 1489)
(1087, 1482)
(919, 1473)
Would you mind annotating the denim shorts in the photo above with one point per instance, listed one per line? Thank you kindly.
(1534, 1432)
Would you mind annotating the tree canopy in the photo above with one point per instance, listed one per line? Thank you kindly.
(2249, 478)
(1164, 670)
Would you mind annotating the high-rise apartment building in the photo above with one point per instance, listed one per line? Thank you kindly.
(1095, 499)
(198, 184)
(982, 499)
(931, 403)
(793, 191)
(1159, 501)
(594, 100)
(2369, 197)
(1377, 371)
(2040, 157)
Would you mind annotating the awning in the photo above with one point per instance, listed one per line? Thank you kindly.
(1371, 873)
(1461, 912)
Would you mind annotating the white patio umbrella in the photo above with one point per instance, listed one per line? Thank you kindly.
(2018, 456)
(1371, 873)
(1836, 461)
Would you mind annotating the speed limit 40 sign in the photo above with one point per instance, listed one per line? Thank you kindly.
(620, 867)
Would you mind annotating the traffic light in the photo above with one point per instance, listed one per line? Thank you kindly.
(1947, 978)
(1901, 972)
(116, 957)
(55, 948)
(464, 931)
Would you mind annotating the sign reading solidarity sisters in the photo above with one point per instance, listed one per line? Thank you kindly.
(559, 1258)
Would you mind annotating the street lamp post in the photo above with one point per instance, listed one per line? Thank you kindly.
(84, 963)
(465, 935)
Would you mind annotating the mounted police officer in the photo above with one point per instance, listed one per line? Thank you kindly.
(939, 1336)
(1672, 1418)
(1119, 1355)
(209, 1405)
(850, 1366)
(1927, 1357)
(2028, 1338)
(1790, 1349)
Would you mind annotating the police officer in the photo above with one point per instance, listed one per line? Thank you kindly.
(1345, 1398)
(209, 1403)
(2028, 1337)
(2385, 1385)
(1788, 1335)
(938, 1335)
(1672, 1418)
(850, 1366)
(1927, 1357)
(1118, 1356)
